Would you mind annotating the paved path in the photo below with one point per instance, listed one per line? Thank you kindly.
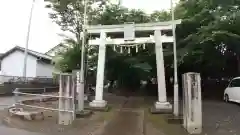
(127, 121)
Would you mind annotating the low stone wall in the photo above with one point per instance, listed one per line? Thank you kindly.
(7, 89)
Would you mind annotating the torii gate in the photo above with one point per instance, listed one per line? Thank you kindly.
(129, 38)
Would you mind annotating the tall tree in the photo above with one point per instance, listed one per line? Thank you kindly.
(68, 14)
(208, 34)
(137, 65)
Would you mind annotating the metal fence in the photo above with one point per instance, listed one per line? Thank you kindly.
(66, 98)
(19, 79)
(18, 101)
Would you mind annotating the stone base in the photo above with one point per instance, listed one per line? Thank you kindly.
(98, 104)
(100, 109)
(194, 129)
(161, 108)
(163, 105)
(84, 114)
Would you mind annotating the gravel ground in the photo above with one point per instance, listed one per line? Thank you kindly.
(81, 126)
(221, 118)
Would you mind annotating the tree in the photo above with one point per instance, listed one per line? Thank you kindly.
(137, 65)
(68, 14)
(207, 35)
(69, 59)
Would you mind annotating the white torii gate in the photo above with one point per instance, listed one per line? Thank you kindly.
(129, 31)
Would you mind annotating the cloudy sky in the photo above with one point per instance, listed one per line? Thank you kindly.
(44, 34)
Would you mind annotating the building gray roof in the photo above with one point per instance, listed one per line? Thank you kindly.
(56, 48)
(30, 52)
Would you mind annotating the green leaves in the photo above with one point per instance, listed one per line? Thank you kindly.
(209, 34)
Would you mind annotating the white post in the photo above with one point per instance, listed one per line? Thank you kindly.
(176, 99)
(162, 95)
(99, 102)
(82, 77)
(27, 40)
(80, 93)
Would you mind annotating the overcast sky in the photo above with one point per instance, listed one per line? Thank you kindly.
(14, 21)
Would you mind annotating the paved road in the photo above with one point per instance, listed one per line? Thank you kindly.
(4, 103)
(9, 100)
(12, 131)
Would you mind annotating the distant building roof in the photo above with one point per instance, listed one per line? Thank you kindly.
(56, 49)
(30, 52)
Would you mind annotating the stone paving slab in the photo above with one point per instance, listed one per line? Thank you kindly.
(124, 123)
(129, 120)
(151, 130)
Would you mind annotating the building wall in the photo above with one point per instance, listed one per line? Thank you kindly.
(12, 65)
(44, 70)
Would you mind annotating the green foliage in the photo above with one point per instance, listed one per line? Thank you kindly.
(209, 36)
(70, 59)
(68, 14)
(125, 67)
(207, 40)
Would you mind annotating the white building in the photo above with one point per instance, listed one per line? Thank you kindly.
(38, 64)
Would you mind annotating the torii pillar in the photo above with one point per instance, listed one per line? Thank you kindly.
(162, 94)
(98, 102)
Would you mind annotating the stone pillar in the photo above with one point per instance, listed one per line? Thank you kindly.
(162, 96)
(98, 101)
(192, 103)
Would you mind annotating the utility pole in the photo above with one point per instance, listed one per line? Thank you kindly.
(27, 40)
(176, 100)
(82, 75)
(119, 2)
